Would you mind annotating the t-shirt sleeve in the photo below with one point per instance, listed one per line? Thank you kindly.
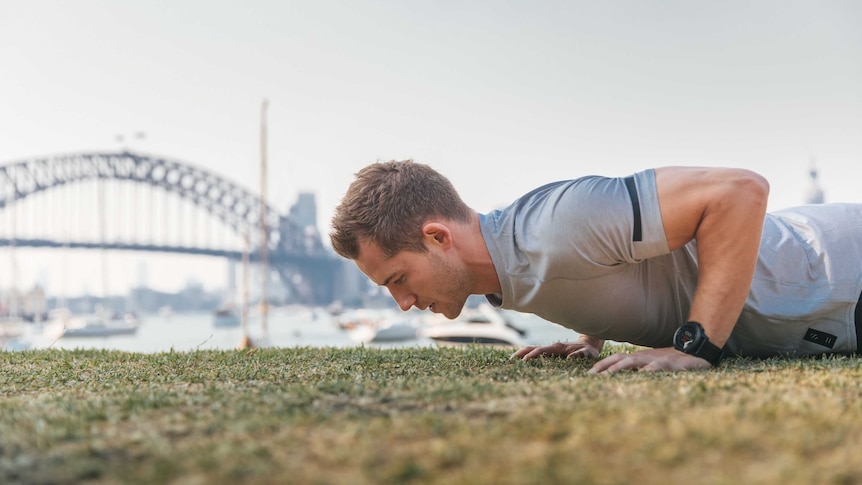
(605, 221)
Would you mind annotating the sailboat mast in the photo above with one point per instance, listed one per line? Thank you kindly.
(246, 341)
(100, 202)
(13, 285)
(264, 236)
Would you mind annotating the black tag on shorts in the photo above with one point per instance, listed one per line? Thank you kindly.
(820, 338)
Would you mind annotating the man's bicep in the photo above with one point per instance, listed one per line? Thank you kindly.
(686, 194)
(683, 193)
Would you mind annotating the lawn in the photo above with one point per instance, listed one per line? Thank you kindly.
(420, 415)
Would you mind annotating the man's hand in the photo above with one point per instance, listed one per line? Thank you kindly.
(650, 360)
(584, 347)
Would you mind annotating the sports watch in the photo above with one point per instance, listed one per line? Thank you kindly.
(691, 339)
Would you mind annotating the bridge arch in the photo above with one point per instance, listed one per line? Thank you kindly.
(235, 206)
(291, 249)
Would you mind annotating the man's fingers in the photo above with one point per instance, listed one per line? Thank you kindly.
(527, 353)
(651, 360)
(654, 366)
(520, 353)
(605, 364)
(534, 351)
(617, 362)
(580, 354)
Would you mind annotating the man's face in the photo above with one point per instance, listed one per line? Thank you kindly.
(433, 279)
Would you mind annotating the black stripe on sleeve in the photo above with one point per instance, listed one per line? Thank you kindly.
(637, 232)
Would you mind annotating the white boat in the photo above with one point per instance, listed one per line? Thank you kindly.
(369, 325)
(15, 334)
(66, 325)
(352, 319)
(484, 325)
(388, 330)
(12, 328)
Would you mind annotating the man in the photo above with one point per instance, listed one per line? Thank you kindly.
(683, 260)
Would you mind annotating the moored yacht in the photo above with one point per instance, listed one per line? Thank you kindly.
(65, 325)
(484, 325)
(396, 328)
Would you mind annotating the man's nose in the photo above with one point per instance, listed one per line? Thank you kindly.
(404, 299)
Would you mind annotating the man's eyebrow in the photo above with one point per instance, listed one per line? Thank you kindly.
(386, 282)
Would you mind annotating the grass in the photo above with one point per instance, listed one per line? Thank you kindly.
(332, 416)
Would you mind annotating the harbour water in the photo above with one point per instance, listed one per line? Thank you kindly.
(295, 327)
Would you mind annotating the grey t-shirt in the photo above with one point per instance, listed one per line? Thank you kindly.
(587, 255)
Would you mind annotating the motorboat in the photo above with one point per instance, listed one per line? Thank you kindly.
(66, 325)
(387, 330)
(12, 328)
(14, 334)
(368, 325)
(355, 318)
(483, 325)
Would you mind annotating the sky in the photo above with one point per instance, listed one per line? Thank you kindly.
(500, 96)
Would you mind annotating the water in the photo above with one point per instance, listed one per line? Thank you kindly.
(287, 328)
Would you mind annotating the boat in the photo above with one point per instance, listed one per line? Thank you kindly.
(65, 325)
(377, 325)
(387, 330)
(225, 316)
(11, 328)
(483, 325)
(14, 334)
(352, 319)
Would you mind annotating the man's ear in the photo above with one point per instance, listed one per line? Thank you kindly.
(437, 233)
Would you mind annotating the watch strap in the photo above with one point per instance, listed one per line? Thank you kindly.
(710, 352)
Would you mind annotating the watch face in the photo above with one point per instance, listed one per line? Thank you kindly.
(688, 337)
(685, 338)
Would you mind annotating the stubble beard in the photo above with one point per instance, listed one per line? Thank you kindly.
(457, 287)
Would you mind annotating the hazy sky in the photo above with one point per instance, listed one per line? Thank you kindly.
(501, 96)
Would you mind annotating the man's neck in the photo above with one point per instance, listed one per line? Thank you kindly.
(476, 258)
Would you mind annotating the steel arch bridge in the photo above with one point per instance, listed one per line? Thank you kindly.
(291, 251)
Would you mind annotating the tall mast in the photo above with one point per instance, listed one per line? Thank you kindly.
(245, 342)
(264, 231)
(13, 286)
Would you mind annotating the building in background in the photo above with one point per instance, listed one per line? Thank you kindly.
(29, 305)
(814, 194)
(304, 211)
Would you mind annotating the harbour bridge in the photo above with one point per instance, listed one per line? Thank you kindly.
(129, 201)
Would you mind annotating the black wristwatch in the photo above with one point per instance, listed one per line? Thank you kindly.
(691, 339)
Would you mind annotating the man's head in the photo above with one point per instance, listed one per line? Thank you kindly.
(388, 203)
(396, 223)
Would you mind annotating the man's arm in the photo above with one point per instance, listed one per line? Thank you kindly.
(723, 210)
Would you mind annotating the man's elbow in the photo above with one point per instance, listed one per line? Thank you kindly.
(752, 188)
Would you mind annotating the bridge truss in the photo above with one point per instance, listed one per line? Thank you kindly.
(297, 253)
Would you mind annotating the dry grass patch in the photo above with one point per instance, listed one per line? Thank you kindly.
(420, 416)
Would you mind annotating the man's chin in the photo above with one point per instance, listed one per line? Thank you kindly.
(451, 313)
